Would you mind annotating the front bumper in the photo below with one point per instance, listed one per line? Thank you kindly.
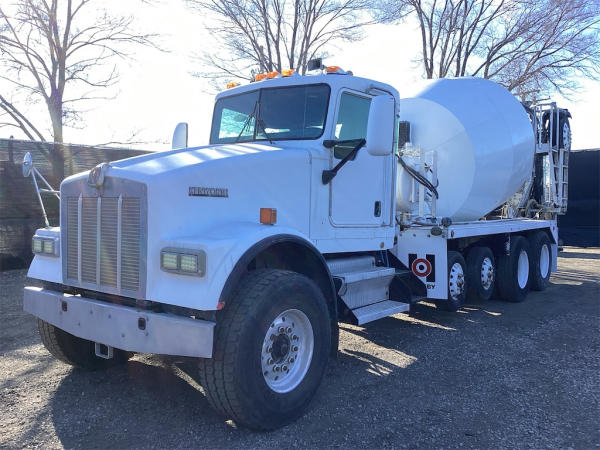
(121, 326)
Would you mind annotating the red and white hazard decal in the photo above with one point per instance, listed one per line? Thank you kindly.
(421, 267)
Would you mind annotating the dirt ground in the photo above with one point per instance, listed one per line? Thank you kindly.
(492, 375)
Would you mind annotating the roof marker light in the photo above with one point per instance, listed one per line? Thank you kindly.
(260, 76)
(288, 72)
(273, 74)
(334, 69)
(232, 85)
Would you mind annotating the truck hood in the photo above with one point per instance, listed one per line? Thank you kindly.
(154, 165)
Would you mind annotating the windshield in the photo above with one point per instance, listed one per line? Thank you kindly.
(291, 112)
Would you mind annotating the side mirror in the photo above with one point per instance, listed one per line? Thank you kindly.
(27, 165)
(380, 128)
(180, 136)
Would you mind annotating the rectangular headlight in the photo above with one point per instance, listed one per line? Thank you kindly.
(168, 261)
(42, 245)
(189, 263)
(183, 261)
(37, 245)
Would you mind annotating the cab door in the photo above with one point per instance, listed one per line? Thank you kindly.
(358, 193)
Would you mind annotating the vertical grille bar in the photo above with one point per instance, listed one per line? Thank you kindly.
(98, 240)
(119, 237)
(79, 211)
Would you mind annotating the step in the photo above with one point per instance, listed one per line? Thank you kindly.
(378, 310)
(363, 288)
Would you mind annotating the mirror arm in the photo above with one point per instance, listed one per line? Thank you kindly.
(328, 175)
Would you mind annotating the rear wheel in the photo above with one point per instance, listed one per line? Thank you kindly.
(513, 271)
(456, 283)
(271, 349)
(75, 351)
(541, 256)
(480, 273)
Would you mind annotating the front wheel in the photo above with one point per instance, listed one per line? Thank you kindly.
(271, 350)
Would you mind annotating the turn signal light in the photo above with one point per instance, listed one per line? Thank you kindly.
(268, 216)
(260, 76)
(232, 85)
(288, 73)
(272, 74)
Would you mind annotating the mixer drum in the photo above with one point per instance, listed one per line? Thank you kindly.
(484, 142)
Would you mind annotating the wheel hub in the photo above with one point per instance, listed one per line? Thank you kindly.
(287, 350)
(523, 269)
(456, 281)
(487, 273)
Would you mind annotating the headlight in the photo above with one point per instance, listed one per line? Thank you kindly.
(182, 261)
(44, 245)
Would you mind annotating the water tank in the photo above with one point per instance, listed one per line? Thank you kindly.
(483, 138)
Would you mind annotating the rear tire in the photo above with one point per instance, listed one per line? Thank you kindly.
(457, 292)
(541, 257)
(513, 271)
(76, 351)
(481, 272)
(271, 349)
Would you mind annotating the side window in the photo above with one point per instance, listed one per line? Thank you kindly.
(353, 115)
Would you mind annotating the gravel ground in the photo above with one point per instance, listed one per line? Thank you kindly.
(492, 375)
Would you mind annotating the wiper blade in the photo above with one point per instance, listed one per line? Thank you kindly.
(261, 122)
(247, 122)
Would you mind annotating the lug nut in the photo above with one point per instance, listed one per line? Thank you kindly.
(269, 350)
(285, 368)
(289, 329)
(291, 360)
(281, 330)
(294, 338)
(276, 368)
(270, 361)
(295, 348)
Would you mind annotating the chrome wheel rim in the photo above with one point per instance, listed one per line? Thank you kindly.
(456, 281)
(487, 273)
(523, 269)
(544, 261)
(287, 351)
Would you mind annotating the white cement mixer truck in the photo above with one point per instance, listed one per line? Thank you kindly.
(319, 199)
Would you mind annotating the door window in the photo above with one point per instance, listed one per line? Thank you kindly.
(353, 115)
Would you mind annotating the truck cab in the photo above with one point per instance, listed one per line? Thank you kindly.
(246, 252)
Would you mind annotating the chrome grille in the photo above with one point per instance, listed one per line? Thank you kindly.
(103, 240)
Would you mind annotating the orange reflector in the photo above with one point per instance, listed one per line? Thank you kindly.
(268, 216)
(220, 306)
(232, 85)
(272, 74)
(260, 77)
(287, 73)
(333, 69)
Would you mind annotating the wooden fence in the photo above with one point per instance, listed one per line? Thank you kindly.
(20, 212)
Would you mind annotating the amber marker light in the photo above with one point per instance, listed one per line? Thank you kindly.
(260, 76)
(272, 75)
(268, 216)
(288, 73)
(232, 85)
(333, 69)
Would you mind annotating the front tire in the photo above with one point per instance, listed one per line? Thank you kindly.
(513, 271)
(271, 350)
(76, 351)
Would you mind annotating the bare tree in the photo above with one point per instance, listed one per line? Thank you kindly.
(272, 35)
(62, 54)
(526, 45)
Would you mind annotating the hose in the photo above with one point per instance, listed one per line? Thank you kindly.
(420, 178)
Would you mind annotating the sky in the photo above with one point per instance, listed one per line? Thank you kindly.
(157, 89)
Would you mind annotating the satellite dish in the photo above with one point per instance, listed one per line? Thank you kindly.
(27, 165)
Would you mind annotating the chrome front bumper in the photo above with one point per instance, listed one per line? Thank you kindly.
(121, 326)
